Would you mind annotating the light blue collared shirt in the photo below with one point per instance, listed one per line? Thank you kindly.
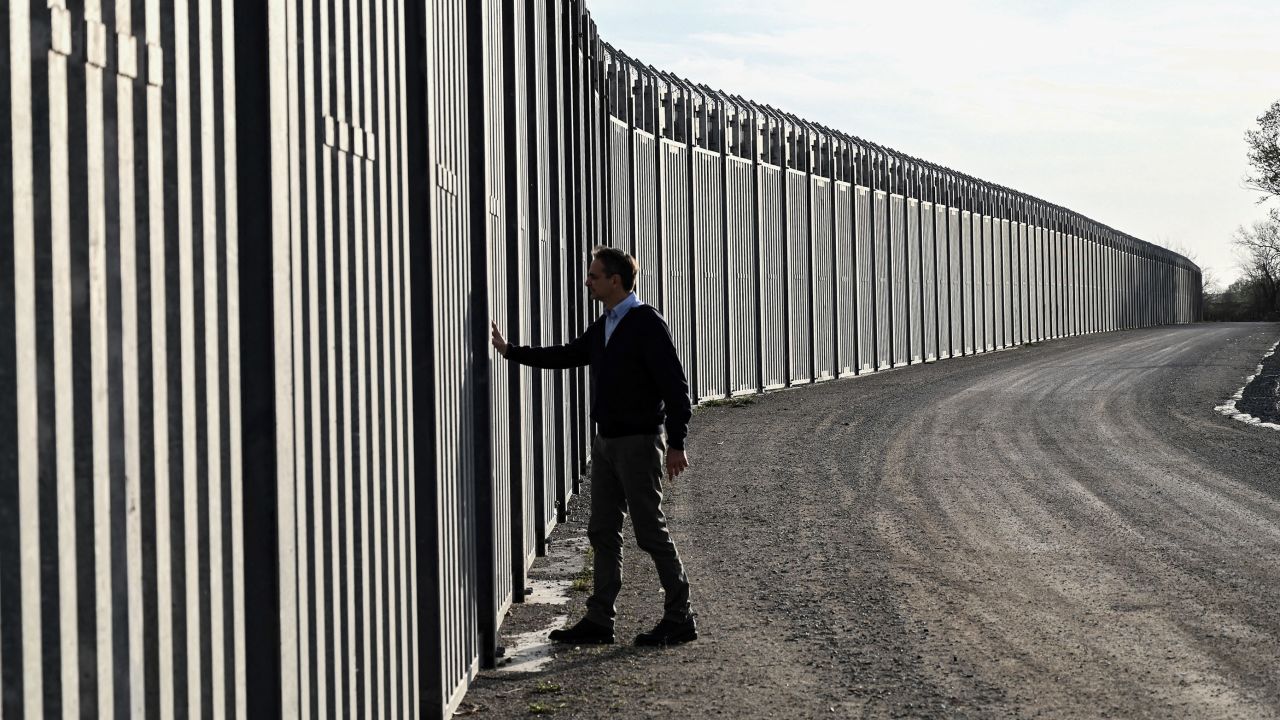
(619, 311)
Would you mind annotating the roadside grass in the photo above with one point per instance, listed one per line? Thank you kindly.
(545, 687)
(583, 582)
(734, 402)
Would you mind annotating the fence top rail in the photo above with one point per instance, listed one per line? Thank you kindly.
(676, 108)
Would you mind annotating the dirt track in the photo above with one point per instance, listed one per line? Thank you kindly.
(1063, 530)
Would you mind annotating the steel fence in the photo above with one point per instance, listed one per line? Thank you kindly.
(256, 456)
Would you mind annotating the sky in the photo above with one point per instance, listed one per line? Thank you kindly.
(1131, 113)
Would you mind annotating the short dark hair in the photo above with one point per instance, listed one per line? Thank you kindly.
(618, 262)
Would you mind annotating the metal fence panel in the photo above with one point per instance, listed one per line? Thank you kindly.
(1155, 274)
(846, 283)
(1019, 247)
(1091, 284)
(1005, 262)
(942, 270)
(1035, 275)
(645, 222)
(521, 302)
(1083, 286)
(1058, 252)
(620, 186)
(1062, 247)
(1108, 281)
(1097, 287)
(866, 278)
(677, 250)
(582, 190)
(710, 289)
(547, 281)
(898, 273)
(956, 221)
(120, 412)
(1120, 281)
(564, 291)
(1097, 259)
(773, 279)
(824, 285)
(1140, 287)
(451, 590)
(1144, 284)
(1081, 280)
(915, 308)
(1067, 249)
(1104, 285)
(1069, 306)
(1119, 300)
(883, 300)
(929, 281)
(744, 278)
(1033, 279)
(986, 256)
(495, 514)
(1114, 281)
(1048, 259)
(993, 280)
(1138, 292)
(968, 265)
(799, 279)
(1062, 256)
(1028, 276)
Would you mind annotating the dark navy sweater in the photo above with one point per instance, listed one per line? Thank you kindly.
(637, 383)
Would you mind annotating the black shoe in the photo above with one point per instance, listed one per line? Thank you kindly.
(670, 632)
(585, 632)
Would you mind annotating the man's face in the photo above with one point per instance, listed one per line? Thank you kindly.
(600, 285)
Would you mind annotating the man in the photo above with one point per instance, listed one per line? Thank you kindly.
(637, 387)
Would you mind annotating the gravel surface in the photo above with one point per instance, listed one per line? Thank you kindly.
(1066, 529)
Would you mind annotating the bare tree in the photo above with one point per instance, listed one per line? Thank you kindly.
(1208, 276)
(1264, 152)
(1259, 248)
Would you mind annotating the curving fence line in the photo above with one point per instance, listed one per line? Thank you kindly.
(256, 457)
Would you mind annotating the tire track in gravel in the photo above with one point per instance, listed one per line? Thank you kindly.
(1107, 556)
(1062, 530)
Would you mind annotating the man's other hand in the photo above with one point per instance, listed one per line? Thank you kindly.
(677, 462)
(496, 338)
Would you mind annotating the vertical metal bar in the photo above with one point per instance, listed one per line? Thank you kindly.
(278, 81)
(22, 130)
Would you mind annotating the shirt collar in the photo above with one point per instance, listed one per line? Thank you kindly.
(622, 307)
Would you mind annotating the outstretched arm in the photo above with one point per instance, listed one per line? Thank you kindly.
(553, 357)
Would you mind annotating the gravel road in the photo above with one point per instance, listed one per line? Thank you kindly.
(1062, 530)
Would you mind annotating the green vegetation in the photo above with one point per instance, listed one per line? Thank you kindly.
(733, 402)
(586, 576)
